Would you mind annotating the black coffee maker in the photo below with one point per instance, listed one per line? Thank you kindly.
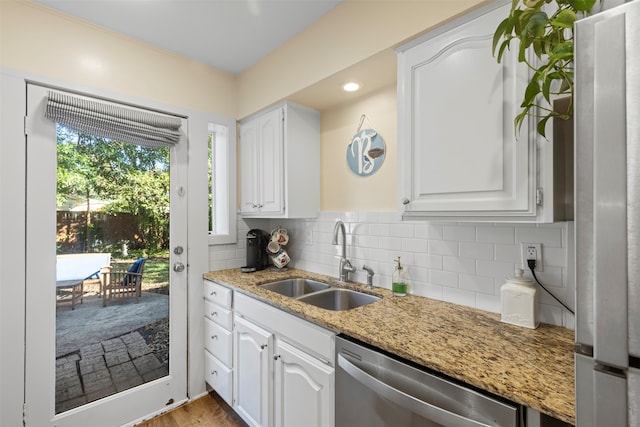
(257, 257)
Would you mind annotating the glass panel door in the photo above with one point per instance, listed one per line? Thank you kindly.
(106, 315)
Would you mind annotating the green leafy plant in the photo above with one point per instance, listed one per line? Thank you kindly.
(550, 37)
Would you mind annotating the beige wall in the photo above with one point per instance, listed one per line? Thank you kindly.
(342, 189)
(46, 43)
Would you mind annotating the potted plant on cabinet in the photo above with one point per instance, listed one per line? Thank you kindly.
(549, 36)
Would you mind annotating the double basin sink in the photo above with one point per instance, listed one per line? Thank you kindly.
(320, 294)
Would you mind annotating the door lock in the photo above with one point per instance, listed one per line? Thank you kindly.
(178, 267)
(178, 250)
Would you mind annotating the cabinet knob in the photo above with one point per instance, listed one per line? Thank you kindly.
(214, 372)
(212, 293)
(263, 346)
(276, 356)
(214, 313)
(214, 337)
(405, 201)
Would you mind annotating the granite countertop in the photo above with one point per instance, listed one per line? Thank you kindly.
(533, 367)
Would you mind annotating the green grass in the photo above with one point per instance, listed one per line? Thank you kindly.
(156, 270)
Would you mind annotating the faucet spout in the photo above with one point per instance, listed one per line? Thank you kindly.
(339, 227)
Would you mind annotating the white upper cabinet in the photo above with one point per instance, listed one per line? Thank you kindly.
(280, 163)
(459, 155)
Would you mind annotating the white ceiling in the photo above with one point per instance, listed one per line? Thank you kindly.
(230, 35)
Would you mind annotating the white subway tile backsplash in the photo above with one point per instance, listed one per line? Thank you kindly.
(463, 263)
(459, 265)
(508, 253)
(459, 296)
(401, 230)
(429, 261)
(483, 251)
(504, 235)
(379, 230)
(418, 274)
(391, 243)
(414, 245)
(427, 290)
(368, 241)
(499, 270)
(459, 233)
(488, 302)
(444, 278)
(483, 285)
(548, 236)
(443, 247)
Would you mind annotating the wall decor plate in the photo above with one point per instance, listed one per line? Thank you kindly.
(366, 152)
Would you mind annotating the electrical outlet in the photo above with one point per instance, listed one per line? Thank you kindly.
(532, 251)
(308, 239)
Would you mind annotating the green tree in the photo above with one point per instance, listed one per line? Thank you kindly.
(133, 178)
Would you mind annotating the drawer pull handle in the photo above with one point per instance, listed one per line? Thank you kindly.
(214, 373)
(214, 313)
(213, 293)
(263, 346)
(276, 356)
(214, 337)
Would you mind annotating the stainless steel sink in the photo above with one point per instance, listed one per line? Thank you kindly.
(295, 287)
(337, 299)
(320, 294)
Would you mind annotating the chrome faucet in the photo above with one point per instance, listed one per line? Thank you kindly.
(370, 274)
(345, 265)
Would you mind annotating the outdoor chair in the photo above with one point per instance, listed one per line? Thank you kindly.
(121, 285)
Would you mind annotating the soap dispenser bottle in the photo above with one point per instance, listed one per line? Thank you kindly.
(520, 301)
(400, 280)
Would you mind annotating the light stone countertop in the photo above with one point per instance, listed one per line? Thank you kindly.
(532, 367)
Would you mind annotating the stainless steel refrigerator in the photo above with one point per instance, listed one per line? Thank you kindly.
(607, 150)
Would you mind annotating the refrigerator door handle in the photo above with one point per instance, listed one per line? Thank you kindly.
(610, 193)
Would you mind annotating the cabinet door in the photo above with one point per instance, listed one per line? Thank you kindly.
(271, 181)
(252, 387)
(304, 389)
(249, 153)
(459, 151)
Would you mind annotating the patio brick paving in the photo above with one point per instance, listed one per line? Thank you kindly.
(101, 369)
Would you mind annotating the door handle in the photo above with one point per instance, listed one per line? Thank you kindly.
(178, 267)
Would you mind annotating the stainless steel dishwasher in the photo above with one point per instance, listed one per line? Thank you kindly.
(377, 389)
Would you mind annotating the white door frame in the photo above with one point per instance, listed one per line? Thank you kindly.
(127, 405)
(12, 229)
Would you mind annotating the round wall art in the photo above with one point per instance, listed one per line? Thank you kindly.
(366, 152)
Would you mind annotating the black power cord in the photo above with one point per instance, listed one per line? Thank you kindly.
(532, 265)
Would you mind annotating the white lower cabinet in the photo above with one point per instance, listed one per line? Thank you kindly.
(304, 389)
(253, 349)
(218, 339)
(284, 368)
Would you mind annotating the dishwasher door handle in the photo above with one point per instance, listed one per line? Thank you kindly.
(424, 409)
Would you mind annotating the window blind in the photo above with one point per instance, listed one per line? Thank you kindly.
(113, 121)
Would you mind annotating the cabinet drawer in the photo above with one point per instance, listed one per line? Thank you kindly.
(218, 377)
(221, 316)
(218, 341)
(313, 339)
(217, 293)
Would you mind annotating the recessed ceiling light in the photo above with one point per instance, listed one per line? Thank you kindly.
(351, 87)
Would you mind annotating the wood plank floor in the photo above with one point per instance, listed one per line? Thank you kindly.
(209, 411)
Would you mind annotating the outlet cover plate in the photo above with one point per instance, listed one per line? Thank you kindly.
(537, 248)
